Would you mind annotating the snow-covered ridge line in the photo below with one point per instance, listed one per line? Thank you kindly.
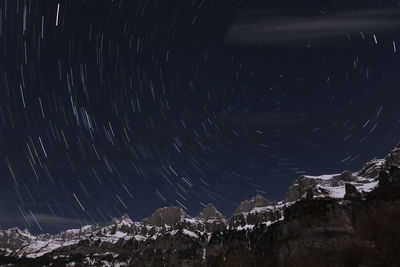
(171, 221)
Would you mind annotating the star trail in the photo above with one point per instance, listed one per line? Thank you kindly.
(116, 106)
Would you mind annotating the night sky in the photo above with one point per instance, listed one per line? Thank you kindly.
(124, 106)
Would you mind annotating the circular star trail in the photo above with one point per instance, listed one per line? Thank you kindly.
(114, 106)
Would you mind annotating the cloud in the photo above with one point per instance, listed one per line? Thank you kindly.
(260, 28)
(42, 218)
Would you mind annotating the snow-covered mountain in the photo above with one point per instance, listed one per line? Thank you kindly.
(170, 229)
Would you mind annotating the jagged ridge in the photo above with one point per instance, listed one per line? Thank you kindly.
(173, 221)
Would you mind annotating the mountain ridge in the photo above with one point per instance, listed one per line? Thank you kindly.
(98, 245)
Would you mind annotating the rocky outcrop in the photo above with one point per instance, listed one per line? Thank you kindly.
(211, 220)
(210, 213)
(332, 186)
(166, 216)
(299, 188)
(351, 192)
(374, 168)
(255, 211)
(255, 202)
(393, 159)
(14, 239)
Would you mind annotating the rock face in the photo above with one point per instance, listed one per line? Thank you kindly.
(345, 219)
(255, 211)
(351, 192)
(393, 159)
(14, 238)
(333, 186)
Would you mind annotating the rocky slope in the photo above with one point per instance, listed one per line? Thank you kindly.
(343, 219)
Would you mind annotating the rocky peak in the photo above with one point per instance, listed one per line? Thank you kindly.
(255, 202)
(166, 216)
(373, 168)
(75, 233)
(393, 159)
(122, 224)
(299, 188)
(125, 216)
(124, 219)
(16, 233)
(15, 238)
(210, 212)
(333, 186)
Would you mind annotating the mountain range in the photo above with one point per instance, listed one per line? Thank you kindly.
(346, 219)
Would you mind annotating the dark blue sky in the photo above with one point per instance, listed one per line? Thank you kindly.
(116, 107)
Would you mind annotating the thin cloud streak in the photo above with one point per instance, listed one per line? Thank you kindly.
(274, 29)
(41, 218)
